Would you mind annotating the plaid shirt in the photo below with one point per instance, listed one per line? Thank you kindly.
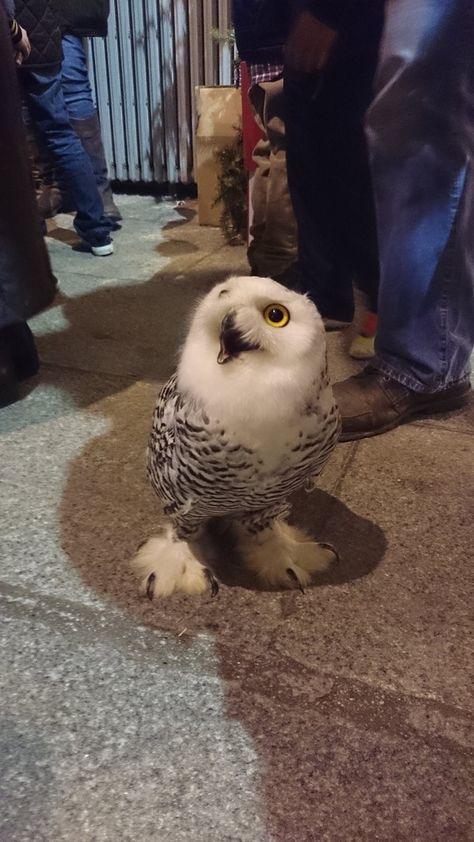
(264, 72)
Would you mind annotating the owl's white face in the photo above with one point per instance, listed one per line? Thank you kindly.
(251, 320)
(252, 342)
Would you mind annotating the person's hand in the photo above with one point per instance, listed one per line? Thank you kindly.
(23, 47)
(309, 44)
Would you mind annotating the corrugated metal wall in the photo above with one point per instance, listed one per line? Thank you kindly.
(144, 74)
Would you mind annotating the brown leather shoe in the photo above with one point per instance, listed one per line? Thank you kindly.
(371, 403)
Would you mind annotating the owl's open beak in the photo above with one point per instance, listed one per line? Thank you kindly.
(232, 343)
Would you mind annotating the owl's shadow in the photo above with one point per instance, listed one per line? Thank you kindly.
(359, 542)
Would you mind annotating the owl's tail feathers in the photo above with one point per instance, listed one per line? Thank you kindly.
(284, 556)
(164, 565)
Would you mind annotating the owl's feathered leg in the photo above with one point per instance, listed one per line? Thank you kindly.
(280, 554)
(166, 564)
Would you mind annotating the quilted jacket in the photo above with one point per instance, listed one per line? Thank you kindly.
(85, 17)
(42, 21)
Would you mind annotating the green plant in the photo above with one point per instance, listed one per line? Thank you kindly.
(232, 191)
(227, 37)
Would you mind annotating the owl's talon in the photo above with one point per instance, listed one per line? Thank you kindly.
(150, 586)
(292, 575)
(212, 581)
(333, 550)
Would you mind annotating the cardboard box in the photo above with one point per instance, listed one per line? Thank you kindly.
(219, 110)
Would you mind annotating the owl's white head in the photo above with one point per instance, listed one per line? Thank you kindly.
(253, 342)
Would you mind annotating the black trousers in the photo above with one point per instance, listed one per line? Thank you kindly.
(330, 183)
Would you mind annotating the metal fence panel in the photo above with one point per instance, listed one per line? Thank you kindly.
(144, 75)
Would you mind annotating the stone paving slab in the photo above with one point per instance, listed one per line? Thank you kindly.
(127, 314)
(104, 738)
(113, 733)
(154, 235)
(406, 623)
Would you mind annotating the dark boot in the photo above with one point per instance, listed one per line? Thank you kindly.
(51, 196)
(18, 360)
(9, 392)
(18, 340)
(88, 130)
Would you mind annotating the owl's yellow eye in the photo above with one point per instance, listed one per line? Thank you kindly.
(276, 315)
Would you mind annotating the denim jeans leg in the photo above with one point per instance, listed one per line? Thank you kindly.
(48, 112)
(420, 136)
(75, 79)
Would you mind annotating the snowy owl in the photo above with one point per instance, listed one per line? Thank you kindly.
(248, 418)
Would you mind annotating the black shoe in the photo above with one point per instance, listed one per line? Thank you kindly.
(114, 223)
(18, 345)
(9, 392)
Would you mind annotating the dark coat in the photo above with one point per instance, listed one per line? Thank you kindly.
(26, 282)
(261, 28)
(85, 17)
(9, 6)
(41, 19)
(359, 22)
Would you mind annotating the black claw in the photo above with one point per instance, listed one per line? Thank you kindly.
(150, 586)
(333, 549)
(212, 581)
(292, 575)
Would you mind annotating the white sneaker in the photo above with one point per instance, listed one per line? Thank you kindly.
(104, 250)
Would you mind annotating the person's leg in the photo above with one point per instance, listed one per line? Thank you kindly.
(273, 249)
(258, 200)
(26, 281)
(75, 79)
(330, 180)
(51, 194)
(421, 141)
(48, 112)
(83, 115)
(322, 270)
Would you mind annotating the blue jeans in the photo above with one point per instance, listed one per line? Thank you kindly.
(75, 79)
(421, 135)
(48, 113)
